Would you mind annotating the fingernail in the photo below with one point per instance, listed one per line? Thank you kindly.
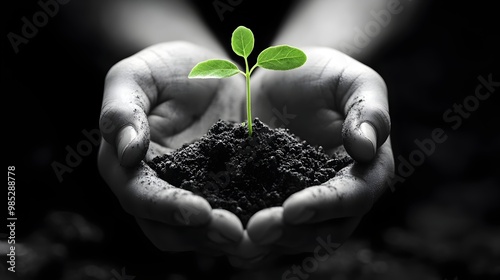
(302, 216)
(369, 133)
(125, 136)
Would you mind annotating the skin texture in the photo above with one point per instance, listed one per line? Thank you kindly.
(148, 101)
(327, 100)
(150, 107)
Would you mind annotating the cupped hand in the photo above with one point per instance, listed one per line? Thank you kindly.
(150, 108)
(332, 100)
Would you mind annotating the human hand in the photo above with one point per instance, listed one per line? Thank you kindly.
(331, 100)
(150, 108)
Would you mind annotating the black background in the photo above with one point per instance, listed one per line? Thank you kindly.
(52, 91)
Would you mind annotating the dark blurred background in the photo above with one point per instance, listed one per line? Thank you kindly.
(442, 222)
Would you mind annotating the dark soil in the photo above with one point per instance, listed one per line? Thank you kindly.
(246, 174)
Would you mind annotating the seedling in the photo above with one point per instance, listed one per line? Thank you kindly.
(282, 57)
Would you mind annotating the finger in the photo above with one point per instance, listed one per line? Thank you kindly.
(342, 196)
(367, 123)
(378, 173)
(349, 194)
(267, 227)
(142, 194)
(128, 89)
(225, 227)
(224, 231)
(247, 253)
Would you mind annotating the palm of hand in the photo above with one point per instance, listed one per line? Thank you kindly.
(183, 110)
(303, 105)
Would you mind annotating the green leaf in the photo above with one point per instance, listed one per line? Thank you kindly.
(281, 58)
(242, 41)
(214, 69)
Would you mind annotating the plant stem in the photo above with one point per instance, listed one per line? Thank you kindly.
(249, 99)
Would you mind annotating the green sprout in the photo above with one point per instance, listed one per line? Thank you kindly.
(282, 57)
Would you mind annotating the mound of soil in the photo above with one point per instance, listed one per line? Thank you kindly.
(246, 174)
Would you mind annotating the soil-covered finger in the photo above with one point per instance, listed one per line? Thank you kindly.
(343, 196)
(125, 127)
(225, 227)
(265, 226)
(142, 194)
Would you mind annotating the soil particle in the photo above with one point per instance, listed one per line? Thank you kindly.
(246, 174)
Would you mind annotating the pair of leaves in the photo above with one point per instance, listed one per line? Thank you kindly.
(281, 57)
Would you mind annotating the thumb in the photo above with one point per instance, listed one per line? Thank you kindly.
(367, 124)
(126, 129)
(123, 121)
